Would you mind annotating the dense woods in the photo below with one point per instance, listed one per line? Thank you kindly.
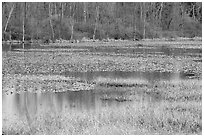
(115, 20)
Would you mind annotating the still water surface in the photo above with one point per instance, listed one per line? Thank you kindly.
(161, 50)
(82, 101)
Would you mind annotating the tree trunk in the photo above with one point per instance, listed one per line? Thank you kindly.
(9, 17)
(134, 22)
(50, 16)
(62, 10)
(72, 21)
(160, 13)
(61, 18)
(72, 31)
(70, 10)
(144, 22)
(194, 12)
(141, 11)
(24, 17)
(23, 31)
(85, 12)
(55, 8)
(141, 18)
(96, 22)
(10, 35)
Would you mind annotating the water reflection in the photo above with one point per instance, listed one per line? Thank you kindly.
(33, 101)
(49, 102)
(13, 47)
(91, 100)
(36, 103)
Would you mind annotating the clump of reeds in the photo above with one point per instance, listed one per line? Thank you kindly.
(120, 82)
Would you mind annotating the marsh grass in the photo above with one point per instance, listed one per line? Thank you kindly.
(175, 90)
(185, 90)
(134, 119)
(120, 82)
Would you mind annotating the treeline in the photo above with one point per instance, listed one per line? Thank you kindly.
(116, 20)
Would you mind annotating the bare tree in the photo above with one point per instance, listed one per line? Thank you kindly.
(134, 22)
(62, 10)
(85, 12)
(24, 18)
(143, 16)
(50, 19)
(141, 11)
(72, 22)
(71, 19)
(96, 21)
(160, 12)
(55, 4)
(193, 8)
(61, 18)
(9, 17)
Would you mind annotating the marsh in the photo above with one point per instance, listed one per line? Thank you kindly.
(88, 89)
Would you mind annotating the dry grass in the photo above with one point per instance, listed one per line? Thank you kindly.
(120, 82)
(166, 118)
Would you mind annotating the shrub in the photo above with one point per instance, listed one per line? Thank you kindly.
(192, 29)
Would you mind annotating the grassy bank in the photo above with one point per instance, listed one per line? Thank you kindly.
(167, 118)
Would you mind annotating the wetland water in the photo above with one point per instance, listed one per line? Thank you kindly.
(15, 104)
(161, 50)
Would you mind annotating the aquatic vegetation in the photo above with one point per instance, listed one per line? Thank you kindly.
(43, 83)
(171, 106)
(59, 63)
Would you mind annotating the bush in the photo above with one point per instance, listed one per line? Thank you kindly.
(192, 29)
(84, 27)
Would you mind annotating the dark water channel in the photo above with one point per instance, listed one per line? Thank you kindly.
(159, 50)
(151, 77)
(92, 100)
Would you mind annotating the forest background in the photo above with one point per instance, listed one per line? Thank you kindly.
(100, 20)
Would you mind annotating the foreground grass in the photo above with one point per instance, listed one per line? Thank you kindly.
(179, 111)
(168, 118)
